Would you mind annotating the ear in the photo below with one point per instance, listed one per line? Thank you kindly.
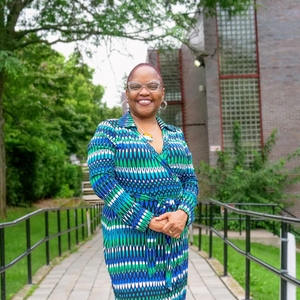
(163, 94)
(127, 94)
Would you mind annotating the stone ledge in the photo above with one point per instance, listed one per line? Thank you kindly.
(232, 285)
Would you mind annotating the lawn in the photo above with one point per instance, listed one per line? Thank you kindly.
(263, 283)
(15, 243)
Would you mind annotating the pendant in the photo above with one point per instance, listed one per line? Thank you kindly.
(148, 137)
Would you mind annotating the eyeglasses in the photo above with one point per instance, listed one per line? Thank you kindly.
(135, 87)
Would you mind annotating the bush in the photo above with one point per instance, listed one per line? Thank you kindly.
(14, 188)
(73, 177)
(235, 180)
(49, 172)
(34, 173)
(40, 172)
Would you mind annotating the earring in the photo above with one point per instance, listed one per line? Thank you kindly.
(125, 105)
(163, 105)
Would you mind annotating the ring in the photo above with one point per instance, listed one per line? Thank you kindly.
(170, 231)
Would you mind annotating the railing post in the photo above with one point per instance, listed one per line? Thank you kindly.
(225, 238)
(76, 224)
(200, 229)
(91, 220)
(59, 233)
(206, 216)
(88, 221)
(240, 224)
(99, 213)
(284, 260)
(47, 237)
(2, 264)
(28, 242)
(82, 223)
(95, 216)
(248, 250)
(69, 227)
(210, 231)
(274, 226)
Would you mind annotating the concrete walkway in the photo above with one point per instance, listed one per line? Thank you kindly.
(83, 276)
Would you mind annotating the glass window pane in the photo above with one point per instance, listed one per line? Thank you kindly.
(237, 43)
(241, 104)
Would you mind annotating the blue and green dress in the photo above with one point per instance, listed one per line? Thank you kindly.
(136, 184)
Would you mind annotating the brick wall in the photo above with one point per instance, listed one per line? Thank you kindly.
(278, 30)
(195, 108)
(279, 58)
(212, 88)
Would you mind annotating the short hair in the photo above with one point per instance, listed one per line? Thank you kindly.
(142, 65)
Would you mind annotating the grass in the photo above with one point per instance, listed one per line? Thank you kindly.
(15, 243)
(263, 283)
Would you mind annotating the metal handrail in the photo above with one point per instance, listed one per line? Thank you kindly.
(94, 221)
(249, 215)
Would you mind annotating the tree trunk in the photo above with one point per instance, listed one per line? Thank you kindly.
(2, 153)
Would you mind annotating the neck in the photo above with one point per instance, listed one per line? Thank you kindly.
(147, 128)
(146, 121)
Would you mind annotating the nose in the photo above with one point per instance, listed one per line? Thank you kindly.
(144, 90)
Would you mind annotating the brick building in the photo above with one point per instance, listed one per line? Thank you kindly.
(250, 73)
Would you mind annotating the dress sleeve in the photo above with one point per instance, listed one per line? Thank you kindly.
(101, 155)
(189, 182)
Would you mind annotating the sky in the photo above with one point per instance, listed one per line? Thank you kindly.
(111, 64)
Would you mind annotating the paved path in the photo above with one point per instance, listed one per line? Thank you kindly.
(83, 276)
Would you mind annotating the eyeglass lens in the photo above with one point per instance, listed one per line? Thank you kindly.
(151, 86)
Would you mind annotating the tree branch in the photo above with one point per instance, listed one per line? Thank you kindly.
(83, 35)
(15, 8)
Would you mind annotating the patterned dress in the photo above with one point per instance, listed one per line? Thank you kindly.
(136, 183)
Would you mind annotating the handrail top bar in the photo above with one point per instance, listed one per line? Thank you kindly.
(38, 211)
(241, 203)
(256, 214)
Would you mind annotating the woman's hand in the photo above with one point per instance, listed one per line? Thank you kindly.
(157, 225)
(176, 221)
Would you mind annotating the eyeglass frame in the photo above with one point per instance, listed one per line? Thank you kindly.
(144, 86)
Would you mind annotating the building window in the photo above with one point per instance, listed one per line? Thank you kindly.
(240, 103)
(239, 79)
(168, 63)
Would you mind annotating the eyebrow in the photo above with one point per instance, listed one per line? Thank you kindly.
(155, 80)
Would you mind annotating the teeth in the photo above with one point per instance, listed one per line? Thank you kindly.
(144, 101)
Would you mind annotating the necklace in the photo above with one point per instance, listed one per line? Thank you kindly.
(146, 135)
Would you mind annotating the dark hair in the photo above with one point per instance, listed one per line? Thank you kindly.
(142, 65)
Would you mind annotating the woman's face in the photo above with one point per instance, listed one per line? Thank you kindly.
(144, 100)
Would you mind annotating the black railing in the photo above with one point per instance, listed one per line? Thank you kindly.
(269, 207)
(206, 221)
(86, 218)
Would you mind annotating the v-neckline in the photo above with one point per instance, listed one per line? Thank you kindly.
(149, 144)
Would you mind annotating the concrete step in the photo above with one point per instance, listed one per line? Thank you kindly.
(88, 194)
(91, 198)
(86, 176)
(88, 191)
(86, 184)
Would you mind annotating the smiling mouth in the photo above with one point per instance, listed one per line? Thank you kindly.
(144, 101)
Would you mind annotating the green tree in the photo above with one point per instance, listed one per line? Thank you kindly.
(27, 22)
(50, 114)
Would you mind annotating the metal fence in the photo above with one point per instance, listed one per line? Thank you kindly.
(206, 219)
(81, 220)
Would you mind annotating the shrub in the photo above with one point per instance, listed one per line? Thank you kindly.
(73, 177)
(235, 180)
(34, 173)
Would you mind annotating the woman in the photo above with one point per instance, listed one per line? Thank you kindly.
(142, 169)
